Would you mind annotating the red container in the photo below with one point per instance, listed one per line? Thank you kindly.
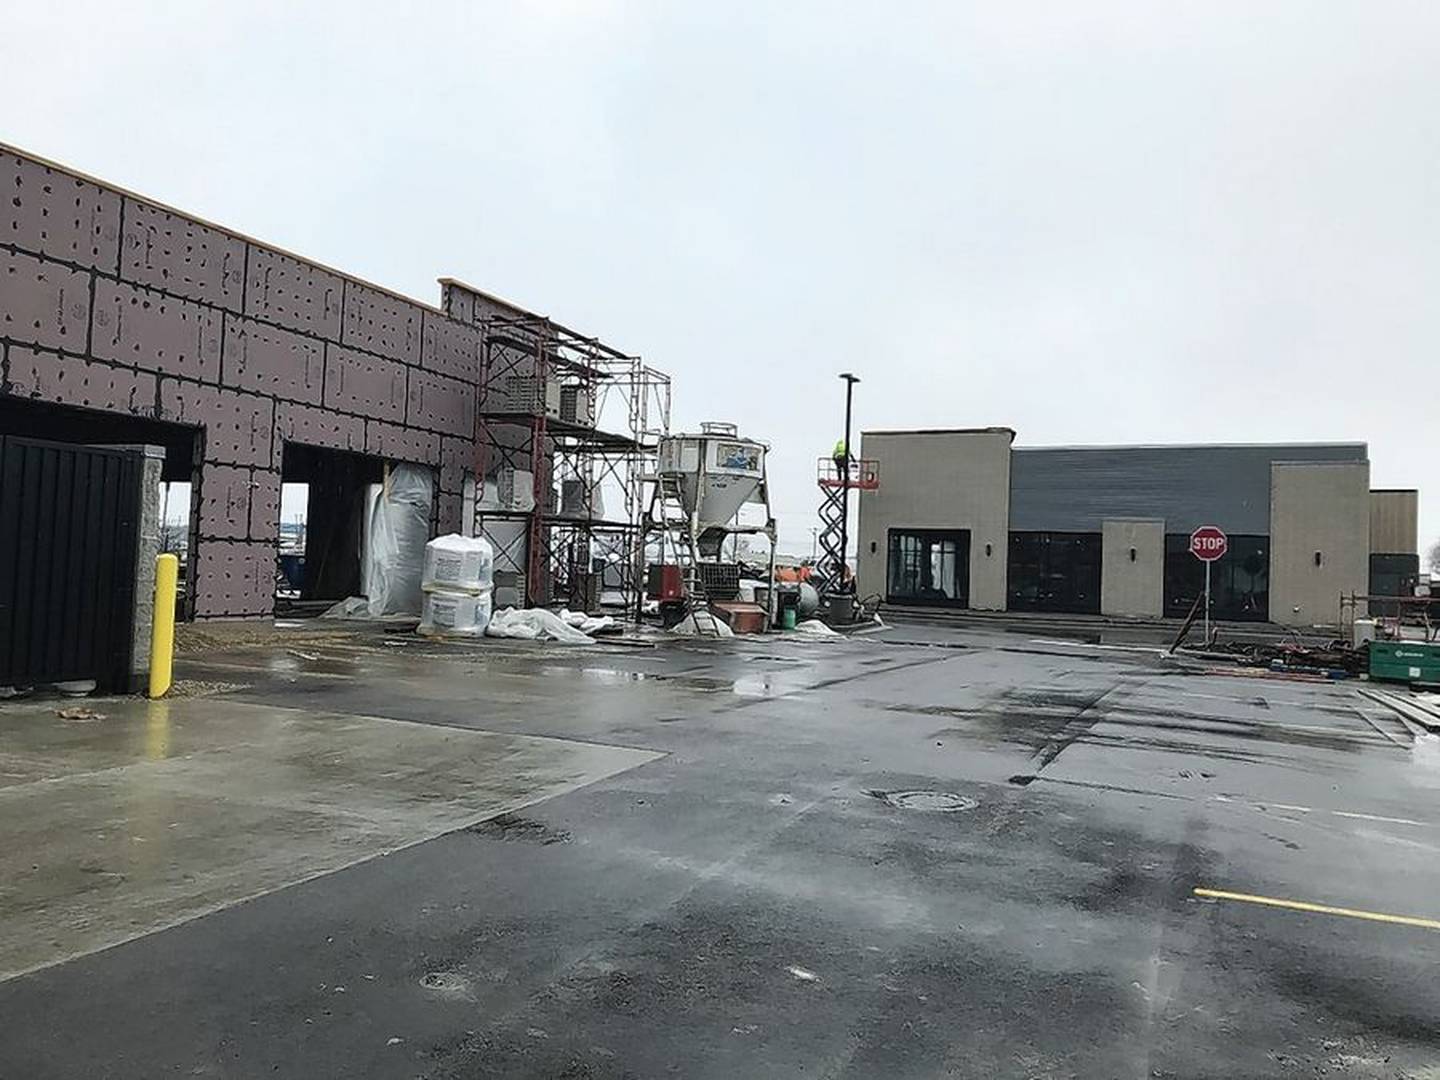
(664, 582)
(742, 618)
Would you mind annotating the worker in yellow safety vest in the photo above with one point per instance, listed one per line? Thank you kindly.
(841, 456)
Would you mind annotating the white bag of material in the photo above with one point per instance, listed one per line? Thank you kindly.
(399, 527)
(533, 623)
(702, 624)
(816, 627)
(455, 613)
(458, 563)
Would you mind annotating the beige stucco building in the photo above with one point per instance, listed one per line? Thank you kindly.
(963, 518)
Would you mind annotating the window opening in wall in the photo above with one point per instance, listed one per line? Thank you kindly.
(1054, 571)
(928, 567)
(1239, 580)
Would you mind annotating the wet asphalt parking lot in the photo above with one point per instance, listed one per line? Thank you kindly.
(921, 853)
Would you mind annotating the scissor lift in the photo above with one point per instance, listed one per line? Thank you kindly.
(836, 480)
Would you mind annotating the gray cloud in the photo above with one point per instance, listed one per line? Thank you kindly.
(1109, 222)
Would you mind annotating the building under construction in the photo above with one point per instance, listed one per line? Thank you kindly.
(125, 322)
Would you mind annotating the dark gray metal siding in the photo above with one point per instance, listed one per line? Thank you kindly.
(1075, 489)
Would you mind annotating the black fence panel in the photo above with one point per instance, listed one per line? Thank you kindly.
(69, 530)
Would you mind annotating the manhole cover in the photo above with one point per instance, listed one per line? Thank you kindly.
(935, 802)
(447, 984)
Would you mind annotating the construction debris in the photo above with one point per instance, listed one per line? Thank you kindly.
(1335, 660)
(81, 713)
(1422, 709)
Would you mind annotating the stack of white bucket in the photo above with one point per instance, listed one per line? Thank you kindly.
(458, 582)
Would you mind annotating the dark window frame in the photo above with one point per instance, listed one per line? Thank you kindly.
(1239, 581)
(1054, 572)
(915, 594)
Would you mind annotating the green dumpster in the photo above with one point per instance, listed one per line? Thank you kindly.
(1405, 661)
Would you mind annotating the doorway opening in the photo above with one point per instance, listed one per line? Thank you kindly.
(323, 497)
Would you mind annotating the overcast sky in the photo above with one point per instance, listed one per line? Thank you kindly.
(1094, 222)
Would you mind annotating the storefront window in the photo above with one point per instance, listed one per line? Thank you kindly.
(1239, 581)
(929, 566)
(1054, 571)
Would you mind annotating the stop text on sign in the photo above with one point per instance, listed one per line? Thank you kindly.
(1208, 543)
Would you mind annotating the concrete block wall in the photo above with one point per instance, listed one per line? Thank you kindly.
(112, 302)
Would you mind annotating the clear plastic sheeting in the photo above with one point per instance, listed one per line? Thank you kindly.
(399, 528)
(352, 607)
(533, 624)
(586, 624)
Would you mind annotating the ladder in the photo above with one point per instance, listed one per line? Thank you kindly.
(679, 528)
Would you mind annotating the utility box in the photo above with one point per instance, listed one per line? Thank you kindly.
(577, 405)
(1405, 661)
(531, 394)
(742, 618)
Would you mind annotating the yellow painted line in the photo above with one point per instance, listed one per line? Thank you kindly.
(1319, 909)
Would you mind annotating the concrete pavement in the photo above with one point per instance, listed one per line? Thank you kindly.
(922, 853)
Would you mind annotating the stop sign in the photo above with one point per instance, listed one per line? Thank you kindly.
(1208, 543)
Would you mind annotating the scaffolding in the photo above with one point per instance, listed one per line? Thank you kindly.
(566, 430)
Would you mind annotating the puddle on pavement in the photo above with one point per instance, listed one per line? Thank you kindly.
(522, 829)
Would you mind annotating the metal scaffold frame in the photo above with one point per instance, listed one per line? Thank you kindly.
(575, 414)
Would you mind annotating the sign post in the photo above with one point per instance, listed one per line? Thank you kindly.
(1208, 543)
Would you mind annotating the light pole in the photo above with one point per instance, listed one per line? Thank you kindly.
(850, 381)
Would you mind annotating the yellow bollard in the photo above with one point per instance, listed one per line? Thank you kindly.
(162, 630)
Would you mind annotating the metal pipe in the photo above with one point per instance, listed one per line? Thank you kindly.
(850, 381)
